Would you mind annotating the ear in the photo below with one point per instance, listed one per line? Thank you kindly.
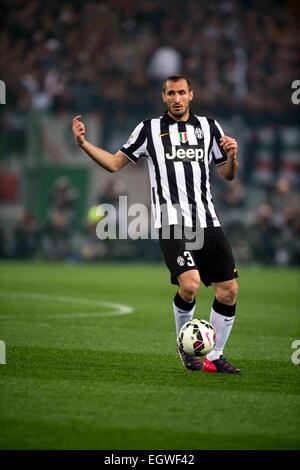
(163, 96)
(191, 95)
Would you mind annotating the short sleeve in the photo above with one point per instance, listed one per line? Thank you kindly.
(136, 145)
(218, 153)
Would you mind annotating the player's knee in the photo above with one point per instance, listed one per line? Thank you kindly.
(228, 294)
(189, 289)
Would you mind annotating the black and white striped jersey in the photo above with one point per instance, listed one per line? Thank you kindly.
(179, 154)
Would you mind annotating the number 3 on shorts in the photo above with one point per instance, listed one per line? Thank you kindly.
(189, 259)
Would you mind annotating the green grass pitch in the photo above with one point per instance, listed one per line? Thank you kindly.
(78, 375)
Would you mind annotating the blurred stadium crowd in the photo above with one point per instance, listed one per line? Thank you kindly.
(269, 235)
(110, 58)
(91, 55)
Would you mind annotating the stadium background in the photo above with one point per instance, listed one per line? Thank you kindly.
(106, 61)
(76, 378)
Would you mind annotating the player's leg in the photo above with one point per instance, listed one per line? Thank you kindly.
(184, 307)
(184, 303)
(217, 268)
(184, 273)
(223, 314)
(222, 318)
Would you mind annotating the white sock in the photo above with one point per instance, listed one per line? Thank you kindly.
(223, 326)
(182, 316)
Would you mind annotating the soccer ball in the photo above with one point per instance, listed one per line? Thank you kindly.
(197, 337)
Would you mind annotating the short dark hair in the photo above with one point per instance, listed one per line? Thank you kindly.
(176, 78)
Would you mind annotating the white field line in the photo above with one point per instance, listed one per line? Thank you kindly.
(114, 309)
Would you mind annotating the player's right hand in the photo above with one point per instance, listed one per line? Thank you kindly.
(78, 130)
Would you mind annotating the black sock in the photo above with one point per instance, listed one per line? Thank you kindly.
(223, 309)
(183, 304)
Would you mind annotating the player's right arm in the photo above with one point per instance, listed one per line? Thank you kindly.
(105, 159)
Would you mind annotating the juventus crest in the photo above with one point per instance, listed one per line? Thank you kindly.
(198, 133)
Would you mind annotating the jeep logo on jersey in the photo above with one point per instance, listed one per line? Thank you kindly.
(179, 154)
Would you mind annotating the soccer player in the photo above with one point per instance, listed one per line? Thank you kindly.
(179, 147)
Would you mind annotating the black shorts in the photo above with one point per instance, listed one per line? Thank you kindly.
(214, 260)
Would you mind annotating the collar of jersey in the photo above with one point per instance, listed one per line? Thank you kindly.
(191, 120)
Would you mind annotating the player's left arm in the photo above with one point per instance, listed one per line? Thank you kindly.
(229, 168)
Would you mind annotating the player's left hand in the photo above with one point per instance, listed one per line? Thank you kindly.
(229, 145)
